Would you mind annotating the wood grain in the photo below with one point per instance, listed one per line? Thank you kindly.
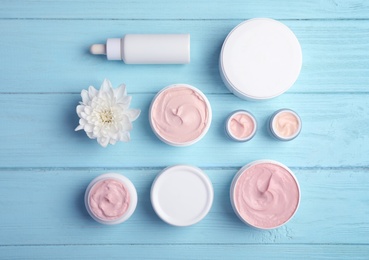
(202, 9)
(46, 207)
(45, 166)
(185, 252)
(38, 131)
(52, 55)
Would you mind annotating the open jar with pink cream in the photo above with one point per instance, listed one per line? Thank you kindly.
(180, 115)
(111, 198)
(265, 194)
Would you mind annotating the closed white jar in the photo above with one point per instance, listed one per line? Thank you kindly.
(260, 59)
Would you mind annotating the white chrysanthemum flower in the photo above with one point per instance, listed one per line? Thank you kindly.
(105, 114)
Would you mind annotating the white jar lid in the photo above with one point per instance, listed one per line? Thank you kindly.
(260, 59)
(182, 195)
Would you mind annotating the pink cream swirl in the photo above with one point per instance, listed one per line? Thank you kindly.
(109, 199)
(241, 126)
(266, 195)
(179, 114)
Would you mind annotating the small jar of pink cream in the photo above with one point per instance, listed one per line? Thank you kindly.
(241, 126)
(111, 198)
(265, 194)
(285, 124)
(180, 115)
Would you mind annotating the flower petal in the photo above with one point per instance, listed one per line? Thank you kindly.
(113, 131)
(79, 109)
(120, 92)
(79, 127)
(125, 102)
(96, 130)
(88, 110)
(82, 121)
(125, 137)
(88, 128)
(85, 97)
(92, 92)
(103, 141)
(133, 114)
(83, 115)
(112, 141)
(125, 123)
(105, 85)
(91, 135)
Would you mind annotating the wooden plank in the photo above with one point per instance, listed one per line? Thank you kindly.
(45, 166)
(186, 252)
(52, 55)
(218, 9)
(46, 207)
(38, 131)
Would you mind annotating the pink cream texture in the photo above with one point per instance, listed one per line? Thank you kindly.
(266, 195)
(109, 199)
(179, 114)
(286, 124)
(241, 126)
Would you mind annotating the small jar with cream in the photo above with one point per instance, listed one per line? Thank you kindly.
(265, 194)
(285, 124)
(180, 115)
(241, 126)
(111, 198)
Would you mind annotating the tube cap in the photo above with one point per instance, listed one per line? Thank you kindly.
(113, 49)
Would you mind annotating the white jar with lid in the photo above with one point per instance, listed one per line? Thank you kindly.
(260, 59)
(182, 195)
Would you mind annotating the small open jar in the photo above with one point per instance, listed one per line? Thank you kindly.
(111, 198)
(241, 126)
(285, 124)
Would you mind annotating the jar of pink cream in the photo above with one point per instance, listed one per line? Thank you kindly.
(111, 198)
(285, 124)
(180, 115)
(265, 194)
(241, 126)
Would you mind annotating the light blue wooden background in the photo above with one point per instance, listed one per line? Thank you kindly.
(45, 166)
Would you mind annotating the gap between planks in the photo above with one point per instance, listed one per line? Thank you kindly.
(180, 19)
(189, 244)
(148, 168)
(211, 94)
